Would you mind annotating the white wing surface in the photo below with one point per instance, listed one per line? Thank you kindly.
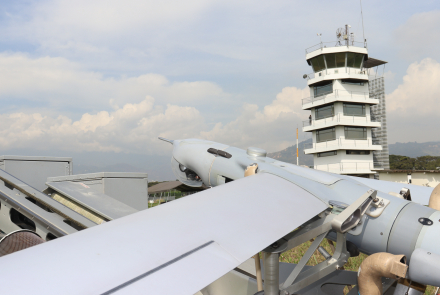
(175, 248)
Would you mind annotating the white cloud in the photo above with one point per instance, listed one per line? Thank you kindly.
(413, 107)
(418, 37)
(273, 128)
(60, 83)
(132, 128)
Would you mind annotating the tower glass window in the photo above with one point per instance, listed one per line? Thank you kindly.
(340, 60)
(358, 60)
(357, 152)
(359, 133)
(354, 60)
(350, 59)
(353, 82)
(354, 109)
(324, 112)
(327, 154)
(325, 134)
(323, 89)
(318, 63)
(331, 60)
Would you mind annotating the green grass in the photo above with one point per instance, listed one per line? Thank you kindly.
(294, 256)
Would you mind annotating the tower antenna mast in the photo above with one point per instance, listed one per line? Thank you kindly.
(362, 16)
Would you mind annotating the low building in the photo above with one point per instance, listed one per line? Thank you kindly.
(430, 178)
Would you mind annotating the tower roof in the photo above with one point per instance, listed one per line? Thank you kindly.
(372, 62)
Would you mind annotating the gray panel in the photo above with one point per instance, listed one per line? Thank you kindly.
(376, 231)
(429, 238)
(93, 200)
(99, 175)
(36, 172)
(160, 244)
(425, 267)
(406, 229)
(126, 187)
(130, 191)
(21, 190)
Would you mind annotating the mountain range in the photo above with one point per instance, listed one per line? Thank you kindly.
(409, 149)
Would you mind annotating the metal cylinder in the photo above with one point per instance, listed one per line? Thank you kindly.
(271, 273)
(19, 240)
(324, 253)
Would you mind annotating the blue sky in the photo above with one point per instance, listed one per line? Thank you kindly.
(111, 76)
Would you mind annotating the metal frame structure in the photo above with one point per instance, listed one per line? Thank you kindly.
(318, 228)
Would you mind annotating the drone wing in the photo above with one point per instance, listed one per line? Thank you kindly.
(176, 248)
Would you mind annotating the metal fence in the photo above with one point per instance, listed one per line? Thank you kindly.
(339, 118)
(349, 167)
(341, 142)
(331, 71)
(339, 93)
(323, 45)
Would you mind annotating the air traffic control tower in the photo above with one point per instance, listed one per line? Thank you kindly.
(348, 118)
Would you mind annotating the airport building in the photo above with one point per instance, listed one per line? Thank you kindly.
(347, 105)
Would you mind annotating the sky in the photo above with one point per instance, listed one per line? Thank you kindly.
(111, 76)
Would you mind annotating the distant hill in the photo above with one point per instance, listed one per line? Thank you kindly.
(415, 149)
(288, 155)
(419, 163)
(408, 149)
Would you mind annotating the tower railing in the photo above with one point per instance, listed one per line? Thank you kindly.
(350, 167)
(332, 71)
(342, 142)
(340, 93)
(340, 118)
(323, 45)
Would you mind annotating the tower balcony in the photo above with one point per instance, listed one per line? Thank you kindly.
(342, 144)
(339, 95)
(340, 119)
(337, 74)
(351, 167)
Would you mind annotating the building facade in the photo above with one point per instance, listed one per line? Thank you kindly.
(341, 105)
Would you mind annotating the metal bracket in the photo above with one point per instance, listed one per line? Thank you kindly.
(319, 228)
(303, 279)
(351, 216)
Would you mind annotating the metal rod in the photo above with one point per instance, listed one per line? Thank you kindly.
(271, 273)
(294, 274)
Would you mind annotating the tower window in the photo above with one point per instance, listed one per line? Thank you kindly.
(324, 112)
(355, 133)
(357, 152)
(331, 60)
(318, 63)
(325, 134)
(340, 60)
(354, 109)
(353, 82)
(327, 154)
(323, 88)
